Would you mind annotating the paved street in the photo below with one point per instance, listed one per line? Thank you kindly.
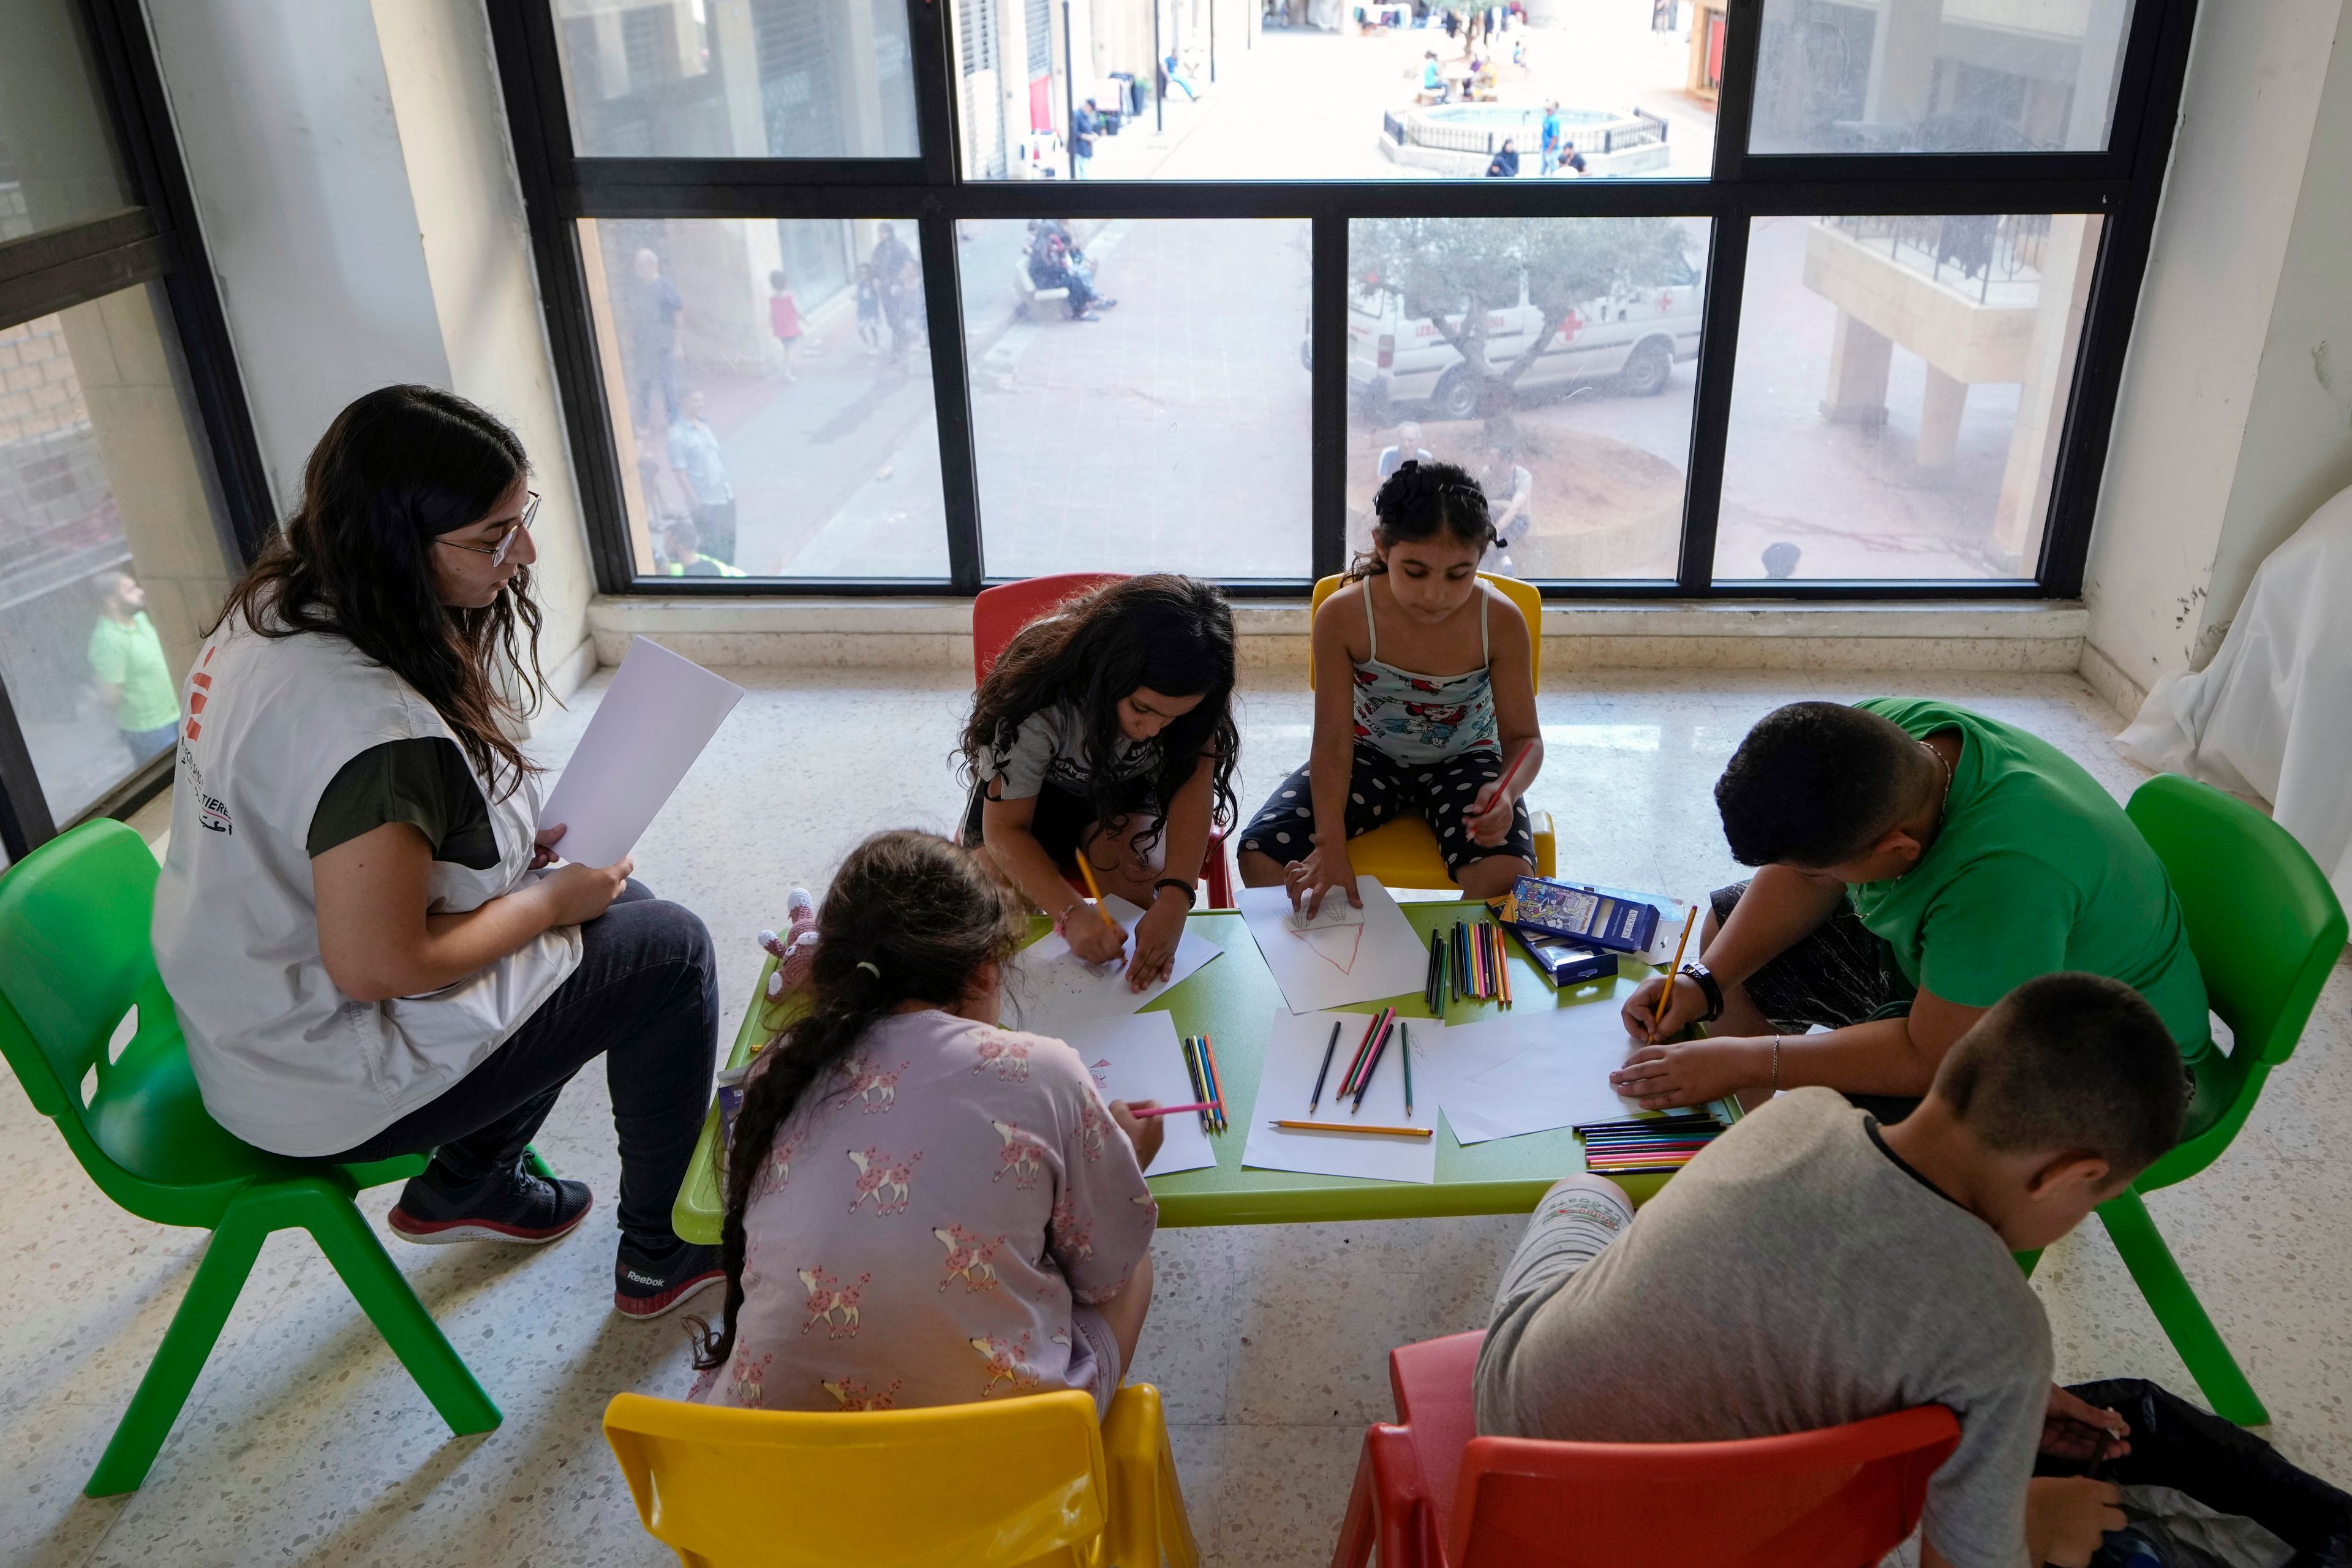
(1172, 432)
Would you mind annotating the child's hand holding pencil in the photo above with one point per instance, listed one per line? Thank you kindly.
(1092, 934)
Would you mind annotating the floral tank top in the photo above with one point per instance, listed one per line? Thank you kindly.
(1419, 718)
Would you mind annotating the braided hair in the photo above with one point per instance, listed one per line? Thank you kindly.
(1421, 500)
(909, 918)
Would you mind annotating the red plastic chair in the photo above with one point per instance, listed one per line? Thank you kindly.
(1429, 1491)
(997, 614)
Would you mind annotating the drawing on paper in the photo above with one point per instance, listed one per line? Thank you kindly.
(1100, 1069)
(1334, 933)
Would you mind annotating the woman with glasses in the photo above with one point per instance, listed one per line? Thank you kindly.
(371, 947)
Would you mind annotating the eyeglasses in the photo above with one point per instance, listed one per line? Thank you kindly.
(497, 553)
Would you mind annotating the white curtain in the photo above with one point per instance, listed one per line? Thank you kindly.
(2272, 715)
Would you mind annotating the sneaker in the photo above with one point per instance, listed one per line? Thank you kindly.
(1103, 304)
(512, 1204)
(646, 1285)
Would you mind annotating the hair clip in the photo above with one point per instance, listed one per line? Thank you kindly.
(867, 965)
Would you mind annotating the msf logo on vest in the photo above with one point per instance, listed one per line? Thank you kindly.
(211, 812)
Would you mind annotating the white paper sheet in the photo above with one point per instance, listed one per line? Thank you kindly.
(1049, 990)
(1344, 954)
(1531, 1071)
(655, 718)
(1294, 1054)
(1137, 1058)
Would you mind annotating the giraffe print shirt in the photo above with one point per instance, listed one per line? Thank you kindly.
(923, 1232)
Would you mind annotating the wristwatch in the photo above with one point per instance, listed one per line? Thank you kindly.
(1191, 894)
(1709, 987)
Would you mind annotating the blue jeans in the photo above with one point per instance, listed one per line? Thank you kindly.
(145, 743)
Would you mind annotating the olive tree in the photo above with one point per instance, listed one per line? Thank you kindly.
(1457, 271)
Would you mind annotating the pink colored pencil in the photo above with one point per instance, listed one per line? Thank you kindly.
(1168, 1109)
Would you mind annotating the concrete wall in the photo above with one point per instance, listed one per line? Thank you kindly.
(348, 259)
(2232, 289)
(477, 246)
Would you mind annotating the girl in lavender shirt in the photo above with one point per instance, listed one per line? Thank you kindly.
(923, 1208)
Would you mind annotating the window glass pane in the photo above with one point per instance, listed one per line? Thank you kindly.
(737, 78)
(1936, 76)
(770, 387)
(57, 159)
(1331, 90)
(112, 560)
(1901, 388)
(1172, 432)
(1568, 397)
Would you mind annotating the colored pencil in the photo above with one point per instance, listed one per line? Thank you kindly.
(1355, 1127)
(1659, 1016)
(1316, 1098)
(1216, 1079)
(1165, 1110)
(1406, 1044)
(1503, 965)
(1442, 971)
(1373, 1066)
(1461, 962)
(1363, 1073)
(1356, 1062)
(1428, 975)
(1643, 1170)
(1200, 1083)
(1648, 1122)
(1087, 871)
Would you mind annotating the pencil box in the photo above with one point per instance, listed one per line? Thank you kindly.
(1592, 917)
(1565, 962)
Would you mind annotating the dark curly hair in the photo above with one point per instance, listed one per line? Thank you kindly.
(1421, 500)
(1170, 633)
(397, 466)
(909, 918)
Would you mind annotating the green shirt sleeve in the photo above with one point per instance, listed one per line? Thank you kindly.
(110, 661)
(2007, 920)
(424, 783)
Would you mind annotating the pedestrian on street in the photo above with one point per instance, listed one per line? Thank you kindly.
(1408, 449)
(1505, 164)
(134, 682)
(1570, 159)
(785, 317)
(1510, 498)
(1552, 136)
(870, 307)
(1085, 126)
(654, 311)
(701, 467)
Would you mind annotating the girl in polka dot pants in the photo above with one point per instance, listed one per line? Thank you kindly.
(1425, 734)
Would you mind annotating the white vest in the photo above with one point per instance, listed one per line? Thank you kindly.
(284, 1060)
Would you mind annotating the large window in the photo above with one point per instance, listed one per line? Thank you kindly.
(1714, 298)
(127, 501)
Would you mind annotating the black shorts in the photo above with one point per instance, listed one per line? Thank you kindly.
(1381, 788)
(1061, 818)
(1840, 973)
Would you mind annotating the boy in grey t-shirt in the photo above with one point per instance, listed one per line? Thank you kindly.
(1813, 1268)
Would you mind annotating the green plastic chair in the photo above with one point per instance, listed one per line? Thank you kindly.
(76, 964)
(2267, 930)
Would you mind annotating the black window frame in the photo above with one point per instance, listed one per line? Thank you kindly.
(2122, 184)
(155, 238)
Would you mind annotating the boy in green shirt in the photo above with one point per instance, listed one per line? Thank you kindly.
(126, 658)
(1915, 862)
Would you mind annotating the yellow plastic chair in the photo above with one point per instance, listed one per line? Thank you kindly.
(1032, 1481)
(1404, 853)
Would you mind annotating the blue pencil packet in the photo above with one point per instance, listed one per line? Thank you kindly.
(1567, 962)
(1592, 916)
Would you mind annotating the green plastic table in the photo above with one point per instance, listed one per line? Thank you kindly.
(1231, 1000)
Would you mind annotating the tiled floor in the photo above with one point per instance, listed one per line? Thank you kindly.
(304, 1443)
